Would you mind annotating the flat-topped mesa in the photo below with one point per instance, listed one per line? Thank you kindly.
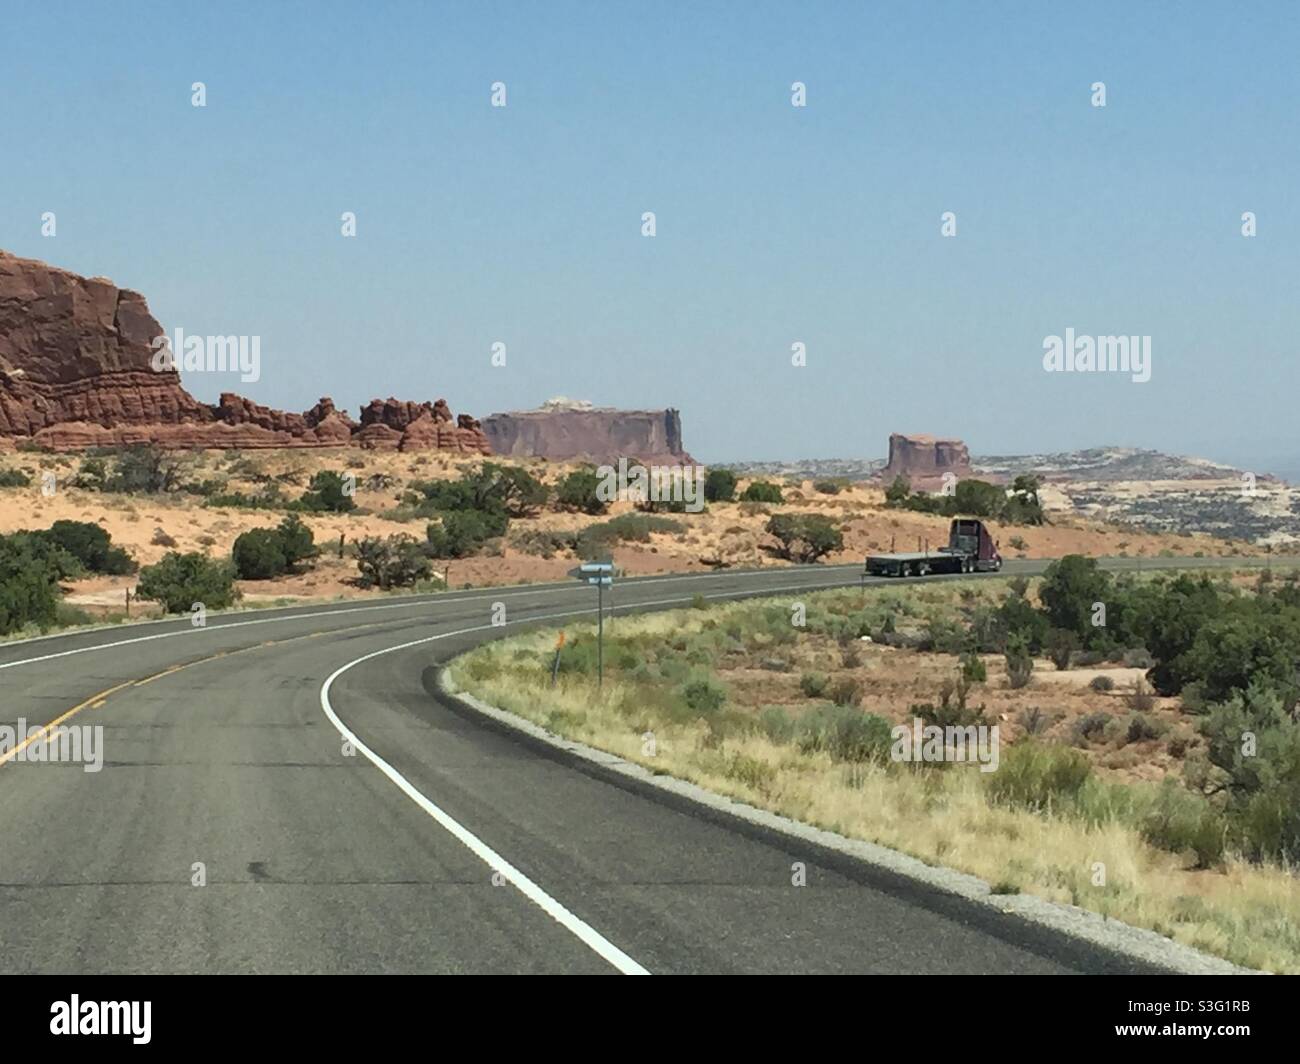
(77, 370)
(924, 460)
(565, 429)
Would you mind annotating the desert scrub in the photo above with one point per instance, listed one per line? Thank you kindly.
(1041, 829)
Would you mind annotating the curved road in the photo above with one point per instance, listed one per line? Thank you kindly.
(357, 830)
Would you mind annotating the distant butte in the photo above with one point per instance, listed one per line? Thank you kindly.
(924, 460)
(568, 429)
(76, 371)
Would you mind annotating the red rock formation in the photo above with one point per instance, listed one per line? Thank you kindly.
(925, 459)
(77, 349)
(563, 429)
(77, 370)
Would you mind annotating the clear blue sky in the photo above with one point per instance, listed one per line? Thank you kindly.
(775, 224)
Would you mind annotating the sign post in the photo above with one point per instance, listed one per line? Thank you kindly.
(555, 667)
(602, 575)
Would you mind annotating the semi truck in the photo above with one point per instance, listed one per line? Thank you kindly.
(971, 549)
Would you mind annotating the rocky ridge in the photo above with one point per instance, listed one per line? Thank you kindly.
(78, 370)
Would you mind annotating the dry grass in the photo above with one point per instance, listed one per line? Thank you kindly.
(1249, 914)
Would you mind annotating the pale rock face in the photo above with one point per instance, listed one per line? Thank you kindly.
(596, 434)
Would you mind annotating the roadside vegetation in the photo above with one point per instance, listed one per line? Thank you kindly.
(1179, 781)
(378, 521)
(974, 498)
(34, 565)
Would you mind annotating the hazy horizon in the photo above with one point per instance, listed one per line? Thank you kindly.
(775, 224)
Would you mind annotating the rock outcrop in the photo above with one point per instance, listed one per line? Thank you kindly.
(924, 460)
(564, 429)
(78, 370)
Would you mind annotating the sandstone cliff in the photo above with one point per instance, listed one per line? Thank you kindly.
(77, 370)
(574, 430)
(925, 459)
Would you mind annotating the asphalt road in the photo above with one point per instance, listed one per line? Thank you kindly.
(222, 764)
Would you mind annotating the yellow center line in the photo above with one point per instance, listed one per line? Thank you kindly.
(36, 737)
(100, 697)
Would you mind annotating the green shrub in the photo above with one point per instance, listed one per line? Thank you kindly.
(14, 478)
(845, 734)
(580, 491)
(328, 492)
(1061, 644)
(459, 533)
(144, 470)
(804, 537)
(1091, 726)
(1038, 776)
(510, 489)
(720, 485)
(1019, 663)
(1070, 587)
(1142, 727)
(92, 546)
(265, 553)
(1179, 820)
(945, 635)
(898, 491)
(776, 724)
(814, 684)
(29, 590)
(1253, 759)
(257, 555)
(1102, 683)
(598, 539)
(762, 491)
(704, 696)
(397, 561)
(181, 580)
(951, 710)
(297, 542)
(974, 669)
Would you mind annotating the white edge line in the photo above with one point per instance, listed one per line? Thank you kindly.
(1082, 925)
(588, 935)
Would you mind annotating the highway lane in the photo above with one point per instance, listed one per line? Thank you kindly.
(220, 764)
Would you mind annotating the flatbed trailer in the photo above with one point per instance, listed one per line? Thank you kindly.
(971, 549)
